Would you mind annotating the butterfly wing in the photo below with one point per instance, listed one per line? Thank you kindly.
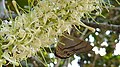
(69, 45)
(83, 47)
(64, 47)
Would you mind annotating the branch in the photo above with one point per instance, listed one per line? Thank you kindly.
(105, 26)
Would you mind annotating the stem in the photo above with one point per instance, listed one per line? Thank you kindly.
(58, 62)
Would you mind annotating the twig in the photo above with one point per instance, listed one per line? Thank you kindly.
(66, 63)
(95, 58)
(114, 8)
(83, 34)
(105, 26)
(58, 63)
(38, 61)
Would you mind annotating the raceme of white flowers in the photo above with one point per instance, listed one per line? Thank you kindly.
(24, 36)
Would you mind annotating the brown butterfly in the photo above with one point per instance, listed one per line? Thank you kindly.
(69, 45)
